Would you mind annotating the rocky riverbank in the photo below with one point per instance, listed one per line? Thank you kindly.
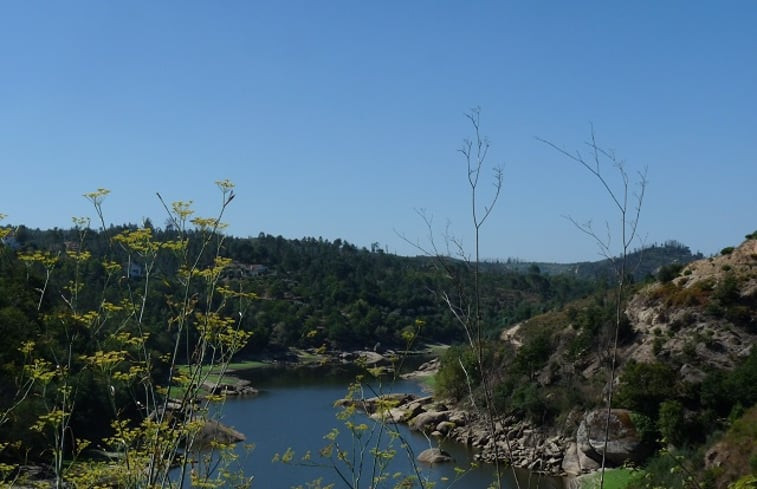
(515, 441)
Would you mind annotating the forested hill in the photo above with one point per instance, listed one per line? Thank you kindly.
(643, 263)
(312, 292)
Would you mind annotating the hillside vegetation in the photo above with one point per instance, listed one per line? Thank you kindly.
(643, 263)
(686, 356)
(687, 372)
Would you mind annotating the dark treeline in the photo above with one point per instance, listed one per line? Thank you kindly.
(644, 262)
(312, 292)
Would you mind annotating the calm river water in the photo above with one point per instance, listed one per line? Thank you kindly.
(296, 409)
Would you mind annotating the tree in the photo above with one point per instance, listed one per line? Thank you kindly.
(109, 357)
(464, 298)
(627, 205)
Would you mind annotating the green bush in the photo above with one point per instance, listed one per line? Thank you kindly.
(727, 250)
(451, 380)
(727, 291)
(666, 470)
(671, 423)
(746, 482)
(534, 354)
(645, 427)
(721, 391)
(669, 272)
(644, 386)
(657, 344)
(527, 399)
(614, 478)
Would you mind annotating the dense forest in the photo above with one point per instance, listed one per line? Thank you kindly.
(644, 262)
(310, 291)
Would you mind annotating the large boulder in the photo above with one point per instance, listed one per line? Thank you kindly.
(213, 431)
(434, 456)
(400, 414)
(427, 421)
(372, 358)
(230, 386)
(575, 462)
(382, 403)
(426, 370)
(624, 441)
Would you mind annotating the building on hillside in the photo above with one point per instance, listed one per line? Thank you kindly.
(134, 270)
(237, 270)
(72, 247)
(11, 242)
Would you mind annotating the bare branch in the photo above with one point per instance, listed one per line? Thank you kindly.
(628, 232)
(595, 170)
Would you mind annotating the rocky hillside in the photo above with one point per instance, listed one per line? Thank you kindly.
(706, 317)
(685, 363)
(687, 367)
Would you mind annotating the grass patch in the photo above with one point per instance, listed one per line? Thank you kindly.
(246, 365)
(215, 370)
(212, 374)
(305, 357)
(428, 383)
(614, 479)
(436, 349)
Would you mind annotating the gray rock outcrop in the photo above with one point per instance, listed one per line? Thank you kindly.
(624, 442)
(434, 456)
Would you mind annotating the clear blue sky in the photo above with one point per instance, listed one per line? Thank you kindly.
(340, 119)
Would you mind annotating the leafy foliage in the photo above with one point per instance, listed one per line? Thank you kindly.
(458, 370)
(315, 292)
(644, 386)
(94, 358)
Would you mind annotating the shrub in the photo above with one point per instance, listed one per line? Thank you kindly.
(657, 346)
(644, 386)
(727, 291)
(534, 354)
(451, 380)
(645, 427)
(687, 319)
(669, 272)
(689, 351)
(721, 391)
(727, 250)
(746, 482)
(740, 315)
(528, 401)
(670, 422)
(695, 295)
(96, 373)
(664, 470)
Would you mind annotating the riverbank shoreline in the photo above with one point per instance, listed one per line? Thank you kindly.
(517, 442)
